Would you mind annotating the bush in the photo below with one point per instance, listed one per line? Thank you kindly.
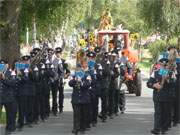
(159, 46)
(156, 48)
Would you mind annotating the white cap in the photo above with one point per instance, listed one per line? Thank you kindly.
(113, 54)
(122, 64)
(36, 45)
(65, 62)
(108, 62)
(60, 61)
(36, 69)
(43, 66)
(47, 61)
(13, 73)
(52, 66)
(88, 77)
(116, 65)
(26, 71)
(95, 72)
(100, 67)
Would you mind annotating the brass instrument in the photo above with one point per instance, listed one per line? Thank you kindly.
(40, 56)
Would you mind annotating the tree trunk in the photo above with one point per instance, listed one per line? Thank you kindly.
(9, 47)
(178, 44)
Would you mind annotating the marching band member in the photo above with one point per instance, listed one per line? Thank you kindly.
(62, 71)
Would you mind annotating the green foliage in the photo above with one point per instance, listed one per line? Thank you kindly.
(161, 15)
(159, 46)
(156, 48)
(2, 117)
(50, 15)
(123, 12)
(145, 64)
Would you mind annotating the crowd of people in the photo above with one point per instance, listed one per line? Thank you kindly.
(26, 85)
(94, 80)
(165, 81)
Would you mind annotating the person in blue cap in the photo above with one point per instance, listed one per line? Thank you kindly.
(176, 112)
(8, 98)
(162, 81)
(80, 83)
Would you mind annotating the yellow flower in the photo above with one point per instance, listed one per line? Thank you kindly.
(82, 43)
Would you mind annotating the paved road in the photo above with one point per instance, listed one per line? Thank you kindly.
(138, 119)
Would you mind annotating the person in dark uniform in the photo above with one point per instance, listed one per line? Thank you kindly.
(92, 90)
(122, 98)
(38, 92)
(113, 84)
(80, 99)
(117, 88)
(176, 114)
(62, 71)
(25, 96)
(161, 97)
(8, 100)
(51, 75)
(45, 105)
(103, 75)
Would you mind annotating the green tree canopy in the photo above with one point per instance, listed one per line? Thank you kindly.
(161, 15)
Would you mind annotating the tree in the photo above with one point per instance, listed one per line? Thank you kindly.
(161, 15)
(49, 15)
(9, 29)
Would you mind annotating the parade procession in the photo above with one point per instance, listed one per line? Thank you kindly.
(99, 70)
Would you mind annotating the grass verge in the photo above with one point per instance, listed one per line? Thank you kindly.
(2, 117)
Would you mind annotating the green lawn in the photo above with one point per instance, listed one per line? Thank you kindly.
(145, 64)
(2, 117)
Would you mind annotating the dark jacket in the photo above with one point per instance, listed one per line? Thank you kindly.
(44, 83)
(37, 81)
(7, 91)
(114, 78)
(167, 93)
(80, 94)
(105, 78)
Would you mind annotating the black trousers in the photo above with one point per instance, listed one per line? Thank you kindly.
(84, 119)
(111, 101)
(42, 106)
(47, 105)
(80, 117)
(122, 101)
(176, 104)
(30, 109)
(95, 103)
(39, 107)
(116, 101)
(162, 115)
(104, 105)
(22, 110)
(176, 112)
(76, 116)
(89, 114)
(55, 90)
(36, 107)
(11, 111)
